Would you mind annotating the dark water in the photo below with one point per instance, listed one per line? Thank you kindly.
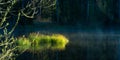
(84, 44)
(81, 47)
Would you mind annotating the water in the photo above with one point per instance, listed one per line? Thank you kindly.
(98, 41)
(84, 44)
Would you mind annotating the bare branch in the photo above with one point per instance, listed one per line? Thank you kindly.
(6, 13)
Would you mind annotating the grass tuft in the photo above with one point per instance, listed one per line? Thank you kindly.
(38, 42)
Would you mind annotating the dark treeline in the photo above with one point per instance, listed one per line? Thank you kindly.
(95, 13)
(103, 14)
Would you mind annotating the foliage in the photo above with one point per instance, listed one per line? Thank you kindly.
(7, 48)
(23, 44)
(13, 10)
(58, 41)
(7, 45)
(38, 42)
(7, 41)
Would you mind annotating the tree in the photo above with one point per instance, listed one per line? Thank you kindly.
(13, 10)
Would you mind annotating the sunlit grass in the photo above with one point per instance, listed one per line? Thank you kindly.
(23, 43)
(58, 41)
(37, 42)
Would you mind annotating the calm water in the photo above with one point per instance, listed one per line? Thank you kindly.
(90, 45)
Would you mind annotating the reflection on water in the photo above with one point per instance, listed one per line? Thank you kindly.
(95, 45)
(84, 45)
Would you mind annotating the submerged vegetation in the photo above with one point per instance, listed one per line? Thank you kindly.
(38, 42)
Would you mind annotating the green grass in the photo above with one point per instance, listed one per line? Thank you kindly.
(23, 43)
(38, 42)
